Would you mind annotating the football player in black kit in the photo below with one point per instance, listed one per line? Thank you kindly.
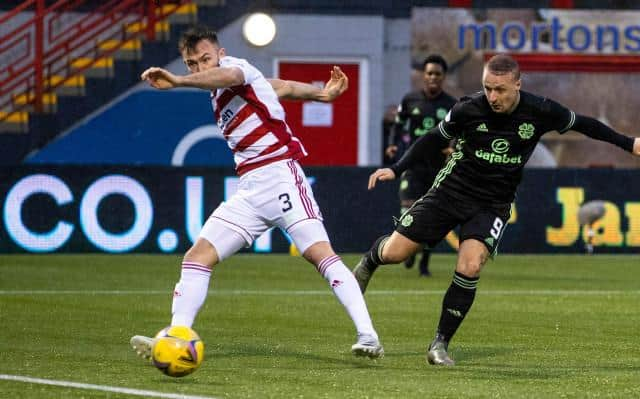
(496, 132)
(419, 112)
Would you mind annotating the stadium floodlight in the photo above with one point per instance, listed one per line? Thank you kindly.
(259, 29)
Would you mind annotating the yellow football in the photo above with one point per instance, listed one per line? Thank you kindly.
(177, 351)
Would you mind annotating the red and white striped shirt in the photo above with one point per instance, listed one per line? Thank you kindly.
(252, 120)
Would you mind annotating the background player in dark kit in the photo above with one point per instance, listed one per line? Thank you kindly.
(419, 112)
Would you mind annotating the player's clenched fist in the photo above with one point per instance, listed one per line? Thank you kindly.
(382, 175)
(160, 78)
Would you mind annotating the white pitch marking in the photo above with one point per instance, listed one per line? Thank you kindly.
(323, 292)
(79, 385)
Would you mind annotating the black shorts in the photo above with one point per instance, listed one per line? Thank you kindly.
(433, 216)
(415, 184)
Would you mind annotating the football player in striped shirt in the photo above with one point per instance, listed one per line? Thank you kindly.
(273, 190)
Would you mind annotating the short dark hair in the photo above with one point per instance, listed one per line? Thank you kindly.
(192, 36)
(435, 59)
(502, 64)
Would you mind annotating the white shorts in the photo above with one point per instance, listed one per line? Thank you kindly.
(275, 195)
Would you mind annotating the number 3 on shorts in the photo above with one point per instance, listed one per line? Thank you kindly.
(495, 231)
(286, 202)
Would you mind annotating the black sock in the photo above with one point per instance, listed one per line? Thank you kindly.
(455, 305)
(373, 256)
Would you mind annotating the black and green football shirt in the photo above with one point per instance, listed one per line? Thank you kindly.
(492, 148)
(417, 115)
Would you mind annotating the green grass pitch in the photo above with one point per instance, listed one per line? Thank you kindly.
(541, 327)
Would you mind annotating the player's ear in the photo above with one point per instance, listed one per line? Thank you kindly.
(222, 52)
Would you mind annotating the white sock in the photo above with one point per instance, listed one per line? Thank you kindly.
(346, 289)
(190, 293)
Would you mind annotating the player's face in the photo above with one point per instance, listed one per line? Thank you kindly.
(204, 56)
(502, 91)
(433, 78)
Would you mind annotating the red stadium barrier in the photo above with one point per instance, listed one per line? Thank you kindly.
(575, 62)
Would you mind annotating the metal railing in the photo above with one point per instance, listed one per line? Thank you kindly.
(47, 38)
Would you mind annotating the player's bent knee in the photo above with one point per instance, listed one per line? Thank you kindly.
(470, 263)
(308, 233)
(318, 251)
(469, 268)
(202, 252)
(395, 256)
(472, 256)
(218, 241)
(398, 248)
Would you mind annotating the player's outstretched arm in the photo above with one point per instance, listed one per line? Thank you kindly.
(395, 137)
(159, 78)
(293, 90)
(597, 130)
(423, 149)
(383, 174)
(210, 79)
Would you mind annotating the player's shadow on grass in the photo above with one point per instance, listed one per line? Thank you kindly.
(192, 380)
(282, 352)
(556, 281)
(477, 352)
(471, 360)
(509, 372)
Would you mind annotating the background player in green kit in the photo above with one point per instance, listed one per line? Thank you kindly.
(496, 132)
(419, 112)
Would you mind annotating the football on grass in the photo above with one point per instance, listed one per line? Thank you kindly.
(177, 351)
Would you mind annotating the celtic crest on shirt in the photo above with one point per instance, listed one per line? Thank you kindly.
(406, 220)
(526, 130)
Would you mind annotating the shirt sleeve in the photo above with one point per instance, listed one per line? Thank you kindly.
(250, 73)
(425, 148)
(560, 118)
(597, 130)
(399, 123)
(403, 115)
(450, 126)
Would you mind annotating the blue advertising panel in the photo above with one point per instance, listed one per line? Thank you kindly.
(144, 128)
(117, 209)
